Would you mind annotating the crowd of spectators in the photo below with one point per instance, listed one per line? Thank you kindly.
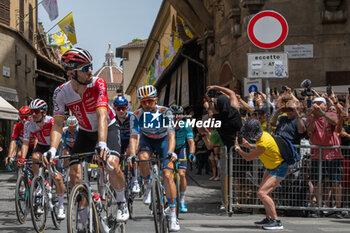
(319, 119)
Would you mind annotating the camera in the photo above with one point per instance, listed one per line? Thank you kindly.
(306, 84)
(329, 90)
(213, 93)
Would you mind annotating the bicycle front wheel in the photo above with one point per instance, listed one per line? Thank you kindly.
(38, 204)
(53, 204)
(76, 212)
(158, 200)
(22, 199)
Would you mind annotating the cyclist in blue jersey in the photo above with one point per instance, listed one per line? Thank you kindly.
(123, 121)
(68, 139)
(157, 133)
(183, 133)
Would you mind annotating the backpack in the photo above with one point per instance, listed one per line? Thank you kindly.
(288, 151)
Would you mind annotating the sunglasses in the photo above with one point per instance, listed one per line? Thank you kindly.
(36, 111)
(147, 102)
(85, 68)
(120, 108)
(24, 117)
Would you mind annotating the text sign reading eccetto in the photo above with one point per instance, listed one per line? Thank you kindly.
(267, 65)
(267, 29)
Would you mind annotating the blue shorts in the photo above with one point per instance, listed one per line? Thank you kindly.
(181, 154)
(279, 172)
(160, 145)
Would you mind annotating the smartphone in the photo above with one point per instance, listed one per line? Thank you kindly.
(283, 89)
(349, 90)
(213, 93)
(329, 90)
(275, 90)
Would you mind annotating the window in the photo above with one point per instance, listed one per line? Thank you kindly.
(126, 55)
(21, 16)
(31, 23)
(5, 12)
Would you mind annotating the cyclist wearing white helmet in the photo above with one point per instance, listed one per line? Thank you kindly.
(86, 97)
(152, 138)
(40, 125)
(183, 134)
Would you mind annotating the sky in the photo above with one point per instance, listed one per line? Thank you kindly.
(98, 22)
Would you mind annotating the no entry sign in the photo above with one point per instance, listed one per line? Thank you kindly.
(267, 29)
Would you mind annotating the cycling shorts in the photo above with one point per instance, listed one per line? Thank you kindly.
(181, 154)
(161, 145)
(41, 148)
(125, 145)
(87, 142)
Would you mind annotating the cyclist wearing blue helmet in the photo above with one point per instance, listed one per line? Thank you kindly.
(123, 120)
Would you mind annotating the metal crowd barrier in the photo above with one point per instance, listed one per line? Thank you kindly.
(241, 179)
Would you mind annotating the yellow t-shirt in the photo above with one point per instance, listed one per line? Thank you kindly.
(271, 158)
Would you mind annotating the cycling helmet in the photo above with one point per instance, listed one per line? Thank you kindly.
(120, 101)
(147, 91)
(72, 121)
(24, 111)
(176, 109)
(38, 104)
(75, 57)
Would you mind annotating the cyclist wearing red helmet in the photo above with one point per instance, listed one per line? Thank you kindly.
(17, 136)
(86, 97)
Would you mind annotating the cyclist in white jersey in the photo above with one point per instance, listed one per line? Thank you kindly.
(86, 96)
(40, 125)
(157, 133)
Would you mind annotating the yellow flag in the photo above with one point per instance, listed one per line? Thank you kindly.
(65, 47)
(59, 37)
(67, 25)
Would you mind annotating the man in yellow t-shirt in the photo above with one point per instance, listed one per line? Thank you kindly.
(276, 169)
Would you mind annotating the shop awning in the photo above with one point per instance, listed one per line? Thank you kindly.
(7, 111)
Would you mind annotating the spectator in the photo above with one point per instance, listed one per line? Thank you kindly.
(276, 170)
(202, 152)
(290, 125)
(321, 127)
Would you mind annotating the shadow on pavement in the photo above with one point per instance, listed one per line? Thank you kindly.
(230, 227)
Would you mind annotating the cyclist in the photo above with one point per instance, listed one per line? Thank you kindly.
(86, 96)
(40, 125)
(123, 120)
(68, 138)
(158, 138)
(17, 136)
(183, 133)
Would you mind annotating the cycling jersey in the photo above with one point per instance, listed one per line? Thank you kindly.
(17, 134)
(162, 125)
(68, 138)
(182, 134)
(124, 127)
(84, 109)
(43, 134)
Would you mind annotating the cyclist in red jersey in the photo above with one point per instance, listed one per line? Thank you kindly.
(86, 96)
(40, 125)
(17, 136)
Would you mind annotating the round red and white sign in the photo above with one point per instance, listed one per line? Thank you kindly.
(267, 29)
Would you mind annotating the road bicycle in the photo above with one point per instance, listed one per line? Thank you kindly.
(128, 174)
(43, 198)
(22, 191)
(159, 200)
(102, 207)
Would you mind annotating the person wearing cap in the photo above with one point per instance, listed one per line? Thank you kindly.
(276, 169)
(321, 127)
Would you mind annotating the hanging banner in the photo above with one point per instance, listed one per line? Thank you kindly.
(67, 25)
(59, 37)
(51, 8)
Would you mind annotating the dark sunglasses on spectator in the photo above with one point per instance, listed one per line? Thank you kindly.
(36, 111)
(24, 117)
(121, 108)
(149, 102)
(85, 68)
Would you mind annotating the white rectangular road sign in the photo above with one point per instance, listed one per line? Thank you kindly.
(252, 85)
(267, 65)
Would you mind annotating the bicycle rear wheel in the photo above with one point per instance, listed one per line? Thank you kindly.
(74, 223)
(38, 204)
(22, 192)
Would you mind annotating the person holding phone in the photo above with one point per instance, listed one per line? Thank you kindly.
(289, 122)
